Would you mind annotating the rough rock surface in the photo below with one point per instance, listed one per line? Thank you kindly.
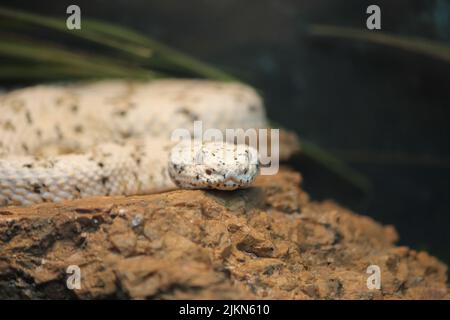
(269, 241)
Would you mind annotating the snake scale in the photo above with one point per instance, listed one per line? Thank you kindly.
(112, 137)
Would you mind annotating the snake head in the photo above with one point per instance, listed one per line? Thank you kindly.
(213, 165)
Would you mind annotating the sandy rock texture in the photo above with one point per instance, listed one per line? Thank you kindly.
(269, 241)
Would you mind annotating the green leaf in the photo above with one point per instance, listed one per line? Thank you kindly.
(48, 54)
(124, 39)
(91, 34)
(431, 48)
(37, 72)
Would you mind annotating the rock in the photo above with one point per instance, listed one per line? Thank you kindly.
(269, 241)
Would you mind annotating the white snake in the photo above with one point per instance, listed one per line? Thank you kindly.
(113, 138)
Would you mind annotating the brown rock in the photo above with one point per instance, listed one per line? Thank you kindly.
(269, 241)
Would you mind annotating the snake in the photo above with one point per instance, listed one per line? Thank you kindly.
(68, 141)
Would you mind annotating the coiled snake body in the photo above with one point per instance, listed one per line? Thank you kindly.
(113, 138)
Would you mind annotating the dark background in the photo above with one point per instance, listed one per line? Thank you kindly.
(384, 111)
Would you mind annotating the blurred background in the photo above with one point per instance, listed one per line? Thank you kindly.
(382, 109)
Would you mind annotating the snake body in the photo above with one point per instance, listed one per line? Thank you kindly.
(62, 142)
